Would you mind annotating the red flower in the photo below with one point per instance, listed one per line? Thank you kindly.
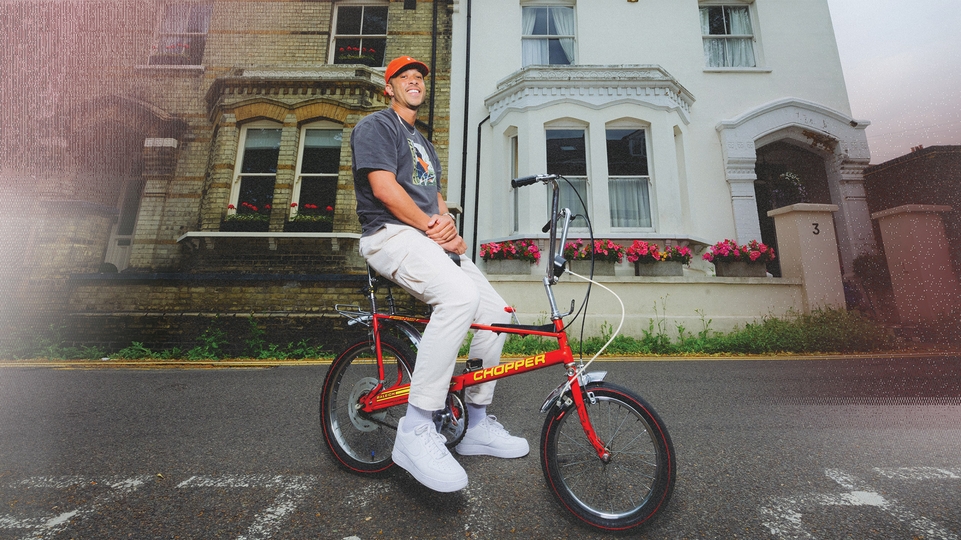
(293, 205)
(330, 208)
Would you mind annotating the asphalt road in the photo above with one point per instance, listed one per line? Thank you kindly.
(842, 448)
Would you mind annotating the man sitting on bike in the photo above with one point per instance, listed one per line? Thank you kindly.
(407, 237)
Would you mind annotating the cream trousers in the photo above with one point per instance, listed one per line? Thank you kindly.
(458, 296)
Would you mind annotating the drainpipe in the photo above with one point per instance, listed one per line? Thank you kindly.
(477, 190)
(433, 84)
(463, 162)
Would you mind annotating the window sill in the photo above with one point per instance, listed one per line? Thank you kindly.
(737, 70)
(207, 238)
(171, 67)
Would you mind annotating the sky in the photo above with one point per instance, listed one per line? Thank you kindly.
(902, 68)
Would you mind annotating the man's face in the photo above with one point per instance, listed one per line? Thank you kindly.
(407, 88)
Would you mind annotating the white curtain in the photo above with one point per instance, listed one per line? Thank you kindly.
(536, 50)
(564, 23)
(729, 51)
(630, 202)
(568, 198)
(533, 51)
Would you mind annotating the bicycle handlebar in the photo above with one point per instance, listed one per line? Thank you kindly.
(532, 179)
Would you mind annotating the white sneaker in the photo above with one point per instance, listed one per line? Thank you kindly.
(489, 438)
(422, 453)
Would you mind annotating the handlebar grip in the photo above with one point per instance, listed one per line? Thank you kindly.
(532, 179)
(524, 181)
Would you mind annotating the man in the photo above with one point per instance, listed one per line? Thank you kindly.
(408, 234)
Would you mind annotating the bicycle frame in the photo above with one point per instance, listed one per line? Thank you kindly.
(380, 398)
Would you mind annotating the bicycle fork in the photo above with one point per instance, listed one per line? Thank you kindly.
(576, 390)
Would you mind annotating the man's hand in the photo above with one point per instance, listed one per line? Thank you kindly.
(441, 229)
(457, 245)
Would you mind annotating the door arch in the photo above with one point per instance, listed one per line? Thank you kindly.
(840, 142)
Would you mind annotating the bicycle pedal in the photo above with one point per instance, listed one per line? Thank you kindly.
(473, 364)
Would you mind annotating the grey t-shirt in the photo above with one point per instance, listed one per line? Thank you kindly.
(382, 141)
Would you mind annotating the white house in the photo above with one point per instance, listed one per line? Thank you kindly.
(674, 119)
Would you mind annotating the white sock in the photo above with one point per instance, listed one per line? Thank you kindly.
(417, 417)
(475, 413)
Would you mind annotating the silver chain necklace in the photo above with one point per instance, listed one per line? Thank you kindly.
(404, 125)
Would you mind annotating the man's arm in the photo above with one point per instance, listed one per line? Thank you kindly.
(439, 227)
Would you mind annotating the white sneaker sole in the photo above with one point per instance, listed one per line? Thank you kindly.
(484, 450)
(436, 484)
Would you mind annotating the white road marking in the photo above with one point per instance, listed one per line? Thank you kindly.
(919, 473)
(295, 488)
(41, 528)
(782, 516)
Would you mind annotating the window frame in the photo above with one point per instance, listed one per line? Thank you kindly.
(192, 59)
(548, 37)
(752, 38)
(588, 195)
(513, 141)
(325, 125)
(334, 36)
(238, 174)
(648, 178)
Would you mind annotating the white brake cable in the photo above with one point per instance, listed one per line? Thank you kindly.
(613, 335)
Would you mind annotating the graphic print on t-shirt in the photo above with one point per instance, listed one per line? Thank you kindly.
(424, 174)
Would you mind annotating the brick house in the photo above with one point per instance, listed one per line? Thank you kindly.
(184, 160)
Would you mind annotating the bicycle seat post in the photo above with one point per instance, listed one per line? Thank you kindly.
(372, 288)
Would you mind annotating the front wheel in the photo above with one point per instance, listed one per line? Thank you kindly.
(363, 442)
(638, 479)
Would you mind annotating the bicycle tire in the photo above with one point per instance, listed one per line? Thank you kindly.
(362, 443)
(638, 480)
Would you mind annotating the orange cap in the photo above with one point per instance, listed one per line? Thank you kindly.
(402, 63)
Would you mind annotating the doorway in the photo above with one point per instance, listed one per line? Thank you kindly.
(786, 175)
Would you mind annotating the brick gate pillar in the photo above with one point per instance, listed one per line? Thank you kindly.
(916, 247)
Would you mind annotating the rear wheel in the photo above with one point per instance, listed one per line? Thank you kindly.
(638, 479)
(363, 442)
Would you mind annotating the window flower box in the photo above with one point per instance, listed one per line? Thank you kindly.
(732, 260)
(605, 252)
(740, 269)
(248, 218)
(308, 226)
(664, 268)
(509, 266)
(650, 260)
(310, 218)
(510, 256)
